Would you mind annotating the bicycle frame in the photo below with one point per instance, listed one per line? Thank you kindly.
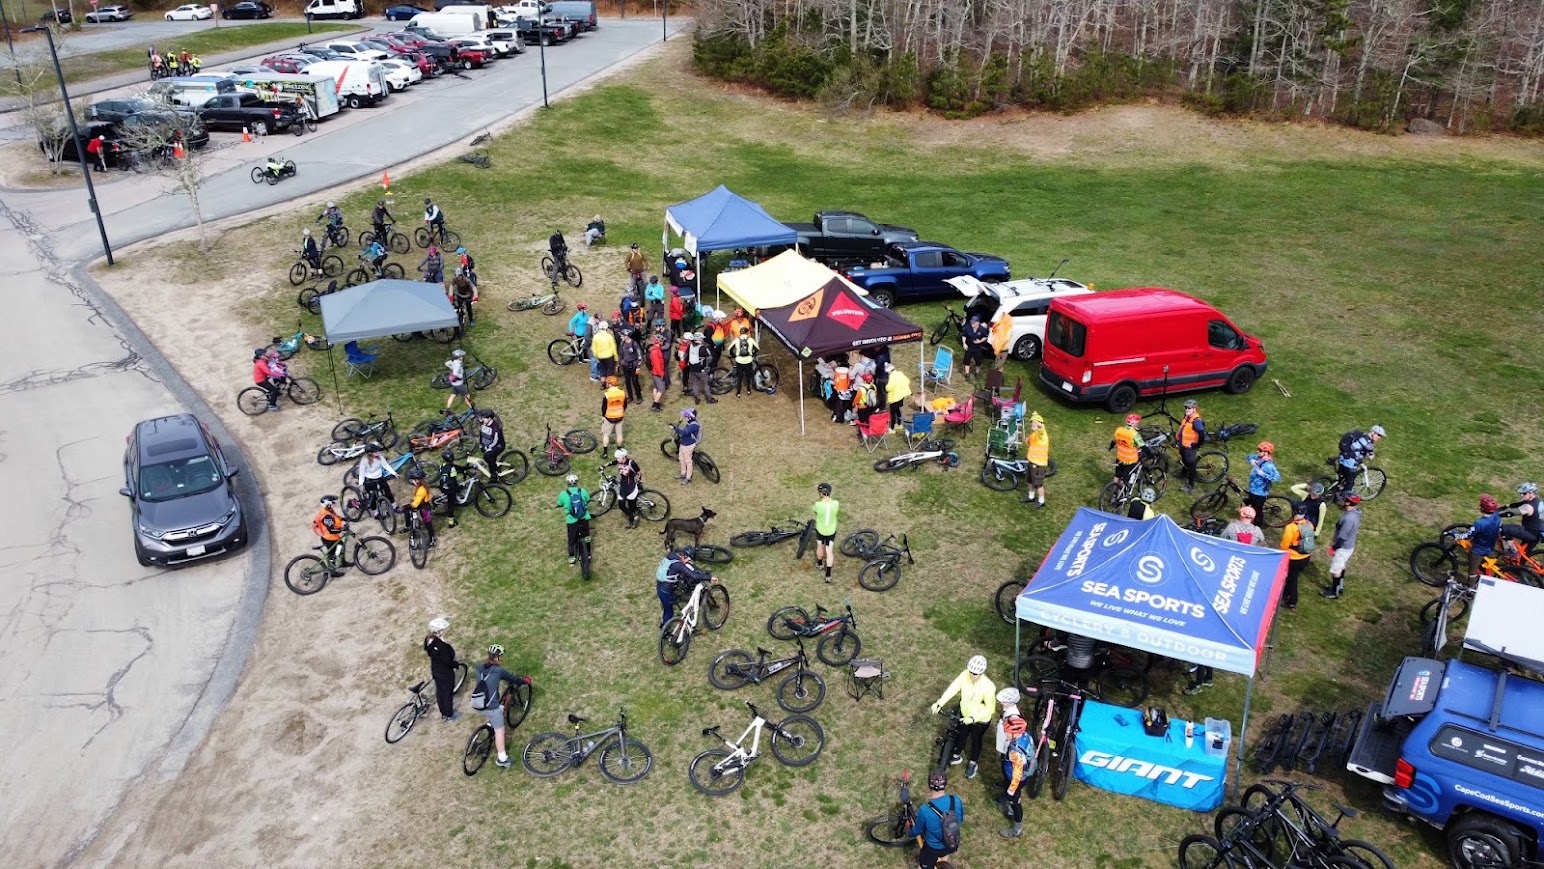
(434, 441)
(737, 752)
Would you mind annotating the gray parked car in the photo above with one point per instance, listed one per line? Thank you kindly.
(178, 483)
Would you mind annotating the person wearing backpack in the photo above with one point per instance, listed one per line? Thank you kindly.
(1298, 541)
(1356, 447)
(937, 825)
(575, 504)
(1018, 764)
(485, 696)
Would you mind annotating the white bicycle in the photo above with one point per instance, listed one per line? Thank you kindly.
(796, 741)
(708, 602)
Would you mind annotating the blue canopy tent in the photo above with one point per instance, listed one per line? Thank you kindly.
(1154, 586)
(722, 220)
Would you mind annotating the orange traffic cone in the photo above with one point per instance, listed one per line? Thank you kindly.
(177, 150)
(246, 134)
(385, 181)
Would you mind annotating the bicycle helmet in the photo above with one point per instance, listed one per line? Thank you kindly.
(1488, 504)
(381, 202)
(259, 353)
(635, 245)
(331, 204)
(572, 479)
(602, 324)
(428, 201)
(1352, 500)
(438, 625)
(1378, 432)
(620, 454)
(448, 457)
(495, 651)
(1527, 488)
(1035, 416)
(1191, 404)
(306, 231)
(1246, 513)
(333, 499)
(373, 447)
(1267, 447)
(457, 354)
(1014, 726)
(976, 666)
(824, 488)
(582, 307)
(1316, 488)
(460, 250)
(689, 413)
(1133, 418)
(937, 780)
(1008, 696)
(416, 474)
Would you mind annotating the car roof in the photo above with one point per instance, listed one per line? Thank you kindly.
(1470, 690)
(923, 245)
(1015, 291)
(1136, 301)
(169, 438)
(1503, 622)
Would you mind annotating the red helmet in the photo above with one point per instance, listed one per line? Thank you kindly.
(1267, 447)
(1014, 726)
(1133, 418)
(582, 306)
(1488, 504)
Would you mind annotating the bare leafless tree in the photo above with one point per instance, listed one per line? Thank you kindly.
(159, 148)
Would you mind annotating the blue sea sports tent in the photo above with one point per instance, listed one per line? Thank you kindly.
(722, 220)
(1154, 586)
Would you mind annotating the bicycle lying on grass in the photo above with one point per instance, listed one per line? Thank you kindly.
(780, 531)
(548, 303)
(382, 431)
(800, 691)
(796, 741)
(883, 568)
(404, 718)
(940, 450)
(894, 830)
(839, 642)
(623, 760)
(552, 456)
(308, 574)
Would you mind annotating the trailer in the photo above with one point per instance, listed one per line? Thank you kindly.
(320, 92)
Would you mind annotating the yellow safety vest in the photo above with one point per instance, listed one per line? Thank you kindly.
(1037, 448)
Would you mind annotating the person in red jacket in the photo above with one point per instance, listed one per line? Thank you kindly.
(677, 311)
(657, 370)
(265, 378)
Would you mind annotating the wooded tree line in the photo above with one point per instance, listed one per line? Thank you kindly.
(1467, 64)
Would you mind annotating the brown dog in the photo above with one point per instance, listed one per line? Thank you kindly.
(694, 527)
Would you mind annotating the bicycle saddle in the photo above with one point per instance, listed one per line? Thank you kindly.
(574, 719)
(820, 610)
(710, 731)
(419, 687)
(1348, 811)
(763, 652)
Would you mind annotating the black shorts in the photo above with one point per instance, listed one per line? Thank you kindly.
(458, 388)
(974, 355)
(929, 856)
(824, 539)
(1036, 475)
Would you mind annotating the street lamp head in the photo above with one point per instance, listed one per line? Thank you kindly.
(33, 29)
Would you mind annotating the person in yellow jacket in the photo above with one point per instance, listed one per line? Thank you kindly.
(1037, 451)
(897, 390)
(1127, 445)
(1002, 330)
(978, 701)
(603, 348)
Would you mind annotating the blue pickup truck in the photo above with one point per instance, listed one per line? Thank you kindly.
(918, 270)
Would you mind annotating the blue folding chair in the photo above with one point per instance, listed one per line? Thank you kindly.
(360, 361)
(942, 368)
(919, 428)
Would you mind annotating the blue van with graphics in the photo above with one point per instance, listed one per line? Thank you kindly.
(1461, 747)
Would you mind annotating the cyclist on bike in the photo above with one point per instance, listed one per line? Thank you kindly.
(422, 502)
(274, 166)
(452, 479)
(1037, 451)
(433, 266)
(332, 214)
(264, 377)
(1342, 545)
(558, 247)
(491, 677)
(382, 220)
(1192, 431)
(1262, 475)
(310, 252)
(1127, 444)
(468, 266)
(374, 472)
(1018, 751)
(463, 292)
(689, 434)
(374, 254)
(434, 217)
(1485, 535)
(579, 323)
(329, 525)
(574, 501)
(978, 700)
(490, 436)
(1356, 447)
(674, 580)
(442, 666)
(928, 826)
(1532, 522)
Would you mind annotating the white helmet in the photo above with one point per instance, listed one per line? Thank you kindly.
(1008, 696)
(331, 204)
(620, 454)
(306, 231)
(438, 625)
(572, 479)
(1378, 430)
(976, 666)
(602, 325)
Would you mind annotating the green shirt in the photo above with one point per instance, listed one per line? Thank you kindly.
(563, 501)
(825, 516)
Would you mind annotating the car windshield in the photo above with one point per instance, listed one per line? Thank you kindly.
(178, 478)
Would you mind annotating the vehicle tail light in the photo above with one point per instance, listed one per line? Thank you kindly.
(1088, 375)
(276, 113)
(1404, 774)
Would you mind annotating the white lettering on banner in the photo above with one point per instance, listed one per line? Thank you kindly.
(1249, 590)
(1230, 575)
(1117, 538)
(1202, 560)
(1143, 769)
(1080, 562)
(1499, 801)
(1142, 597)
(1150, 569)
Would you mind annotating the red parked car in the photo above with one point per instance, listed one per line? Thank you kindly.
(280, 63)
(470, 55)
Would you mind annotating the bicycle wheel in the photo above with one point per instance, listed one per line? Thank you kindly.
(550, 464)
(483, 378)
(729, 670)
(1211, 466)
(1154, 481)
(393, 271)
(1066, 756)
(1041, 672)
(513, 467)
(586, 558)
(493, 500)
(743, 540)
(880, 575)
(1452, 533)
(998, 479)
(894, 463)
(478, 746)
(1122, 686)
(580, 441)
(305, 574)
(332, 265)
(1369, 483)
(805, 538)
(669, 448)
(561, 351)
(778, 625)
(449, 239)
(712, 554)
(401, 723)
(858, 542)
(548, 269)
(555, 305)
(1365, 853)
(674, 642)
(1202, 852)
(1456, 610)
(252, 401)
(325, 457)
(706, 465)
(720, 381)
(801, 691)
(443, 336)
(374, 555)
(356, 277)
(1113, 497)
(304, 390)
(603, 501)
(440, 381)
(1207, 506)
(891, 831)
(1036, 780)
(1261, 834)
(298, 274)
(421, 236)
(1006, 599)
(347, 430)
(653, 505)
(572, 275)
(460, 678)
(310, 299)
(798, 740)
(708, 776)
(1277, 511)
(1433, 563)
(352, 504)
(519, 705)
(715, 607)
(418, 545)
(765, 377)
(626, 761)
(547, 755)
(838, 648)
(258, 175)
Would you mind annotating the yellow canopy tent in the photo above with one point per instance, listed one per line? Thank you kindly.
(778, 282)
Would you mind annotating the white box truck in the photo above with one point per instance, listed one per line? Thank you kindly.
(448, 23)
(483, 13)
(358, 83)
(319, 91)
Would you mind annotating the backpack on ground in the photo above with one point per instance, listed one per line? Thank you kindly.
(486, 694)
(1305, 541)
(578, 507)
(948, 824)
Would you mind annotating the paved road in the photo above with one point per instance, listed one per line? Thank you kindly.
(143, 29)
(113, 671)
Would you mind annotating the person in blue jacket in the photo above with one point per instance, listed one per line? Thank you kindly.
(929, 824)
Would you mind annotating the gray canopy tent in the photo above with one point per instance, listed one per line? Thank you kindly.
(384, 307)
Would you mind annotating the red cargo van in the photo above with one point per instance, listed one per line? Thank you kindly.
(1116, 346)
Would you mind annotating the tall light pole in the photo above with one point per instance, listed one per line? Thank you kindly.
(664, 25)
(80, 147)
(541, 48)
(9, 46)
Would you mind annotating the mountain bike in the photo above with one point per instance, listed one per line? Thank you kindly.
(392, 240)
(479, 376)
(1436, 615)
(335, 452)
(1004, 475)
(1057, 739)
(949, 740)
(560, 270)
(1146, 481)
(652, 503)
(623, 760)
(566, 350)
(357, 503)
(796, 741)
(780, 531)
(437, 234)
(838, 643)
(438, 336)
(552, 456)
(308, 574)
(446, 434)
(1277, 512)
(952, 322)
(883, 569)
(1116, 675)
(516, 703)
(300, 272)
(1211, 464)
(288, 347)
(1279, 825)
(548, 303)
(709, 554)
(366, 272)
(940, 450)
(466, 421)
(490, 499)
(1367, 482)
(418, 537)
(404, 718)
(764, 376)
(382, 431)
(894, 830)
(401, 464)
(707, 603)
(800, 691)
(671, 448)
(310, 298)
(507, 473)
(253, 400)
(336, 234)
(1438, 563)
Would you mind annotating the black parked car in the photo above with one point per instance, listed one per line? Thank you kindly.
(178, 482)
(56, 16)
(248, 9)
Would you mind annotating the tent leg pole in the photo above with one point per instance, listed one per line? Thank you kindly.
(1017, 639)
(1243, 729)
(1270, 644)
(801, 397)
(337, 392)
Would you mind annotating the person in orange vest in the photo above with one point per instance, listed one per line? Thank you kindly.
(1127, 445)
(613, 406)
(1037, 451)
(740, 321)
(329, 525)
(1192, 430)
(1295, 539)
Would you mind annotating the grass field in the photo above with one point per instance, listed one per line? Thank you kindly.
(205, 43)
(1390, 285)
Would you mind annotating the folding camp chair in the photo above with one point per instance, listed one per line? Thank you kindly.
(361, 361)
(959, 418)
(867, 676)
(875, 433)
(938, 373)
(919, 428)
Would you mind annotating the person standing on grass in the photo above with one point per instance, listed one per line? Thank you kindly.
(676, 310)
(978, 700)
(1017, 748)
(613, 407)
(1192, 430)
(1262, 475)
(629, 482)
(826, 510)
(698, 365)
(490, 436)
(659, 371)
(1342, 545)
(1243, 529)
(1001, 331)
(635, 263)
(1127, 443)
(457, 378)
(1297, 541)
(895, 387)
(654, 300)
(629, 360)
(689, 433)
(491, 676)
(977, 344)
(929, 822)
(743, 351)
(442, 667)
(603, 348)
(1037, 452)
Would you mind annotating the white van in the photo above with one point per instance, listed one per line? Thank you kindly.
(358, 83)
(448, 23)
(320, 91)
(334, 9)
(484, 13)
